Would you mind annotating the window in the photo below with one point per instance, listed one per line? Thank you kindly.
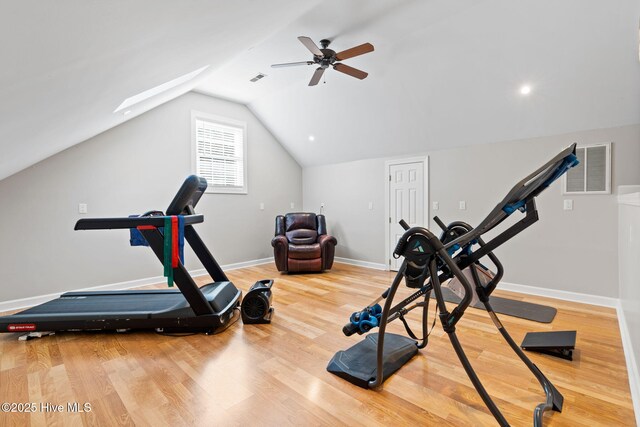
(154, 91)
(220, 152)
(593, 174)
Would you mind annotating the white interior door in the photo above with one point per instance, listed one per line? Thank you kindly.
(406, 201)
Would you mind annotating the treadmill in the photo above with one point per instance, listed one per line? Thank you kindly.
(209, 309)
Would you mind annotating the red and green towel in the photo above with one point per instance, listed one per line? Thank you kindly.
(173, 232)
(173, 245)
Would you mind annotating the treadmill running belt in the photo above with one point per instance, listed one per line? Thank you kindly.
(521, 309)
(136, 303)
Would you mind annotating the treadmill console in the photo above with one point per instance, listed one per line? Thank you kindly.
(187, 196)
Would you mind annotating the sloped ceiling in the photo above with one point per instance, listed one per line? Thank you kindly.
(444, 73)
(66, 65)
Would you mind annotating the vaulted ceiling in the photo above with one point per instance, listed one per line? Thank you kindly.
(66, 65)
(444, 73)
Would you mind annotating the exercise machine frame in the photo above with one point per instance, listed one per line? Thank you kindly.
(430, 260)
(210, 308)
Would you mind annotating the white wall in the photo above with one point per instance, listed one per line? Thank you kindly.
(567, 250)
(135, 167)
(346, 190)
(629, 254)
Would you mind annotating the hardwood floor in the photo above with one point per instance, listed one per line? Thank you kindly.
(275, 375)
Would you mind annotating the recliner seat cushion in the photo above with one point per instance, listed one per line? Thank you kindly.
(304, 251)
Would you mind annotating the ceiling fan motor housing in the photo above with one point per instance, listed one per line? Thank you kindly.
(329, 55)
(328, 59)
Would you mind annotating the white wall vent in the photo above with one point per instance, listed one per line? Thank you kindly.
(258, 77)
(593, 174)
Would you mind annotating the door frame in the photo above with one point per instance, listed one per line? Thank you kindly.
(387, 217)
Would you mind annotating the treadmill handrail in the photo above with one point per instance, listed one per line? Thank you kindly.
(132, 222)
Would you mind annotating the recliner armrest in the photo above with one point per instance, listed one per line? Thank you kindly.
(325, 239)
(280, 241)
(327, 247)
(280, 252)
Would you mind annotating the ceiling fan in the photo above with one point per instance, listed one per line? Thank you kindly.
(326, 57)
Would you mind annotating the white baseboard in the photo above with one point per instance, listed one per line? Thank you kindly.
(514, 287)
(558, 294)
(244, 264)
(632, 362)
(18, 304)
(367, 264)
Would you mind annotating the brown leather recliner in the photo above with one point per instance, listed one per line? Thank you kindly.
(302, 243)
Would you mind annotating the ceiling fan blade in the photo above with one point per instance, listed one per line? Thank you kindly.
(309, 44)
(354, 51)
(317, 75)
(292, 64)
(354, 72)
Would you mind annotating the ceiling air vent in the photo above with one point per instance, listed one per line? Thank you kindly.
(258, 77)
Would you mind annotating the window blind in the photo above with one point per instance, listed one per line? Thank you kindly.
(220, 154)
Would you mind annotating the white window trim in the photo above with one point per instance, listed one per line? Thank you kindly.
(607, 187)
(223, 121)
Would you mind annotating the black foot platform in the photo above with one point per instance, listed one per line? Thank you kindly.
(357, 364)
(521, 309)
(558, 343)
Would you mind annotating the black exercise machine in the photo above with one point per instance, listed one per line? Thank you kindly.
(210, 308)
(428, 263)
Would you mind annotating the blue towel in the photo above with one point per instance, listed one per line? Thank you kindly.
(181, 237)
(136, 238)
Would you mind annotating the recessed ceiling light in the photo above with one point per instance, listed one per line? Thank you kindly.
(143, 96)
(525, 90)
(312, 138)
